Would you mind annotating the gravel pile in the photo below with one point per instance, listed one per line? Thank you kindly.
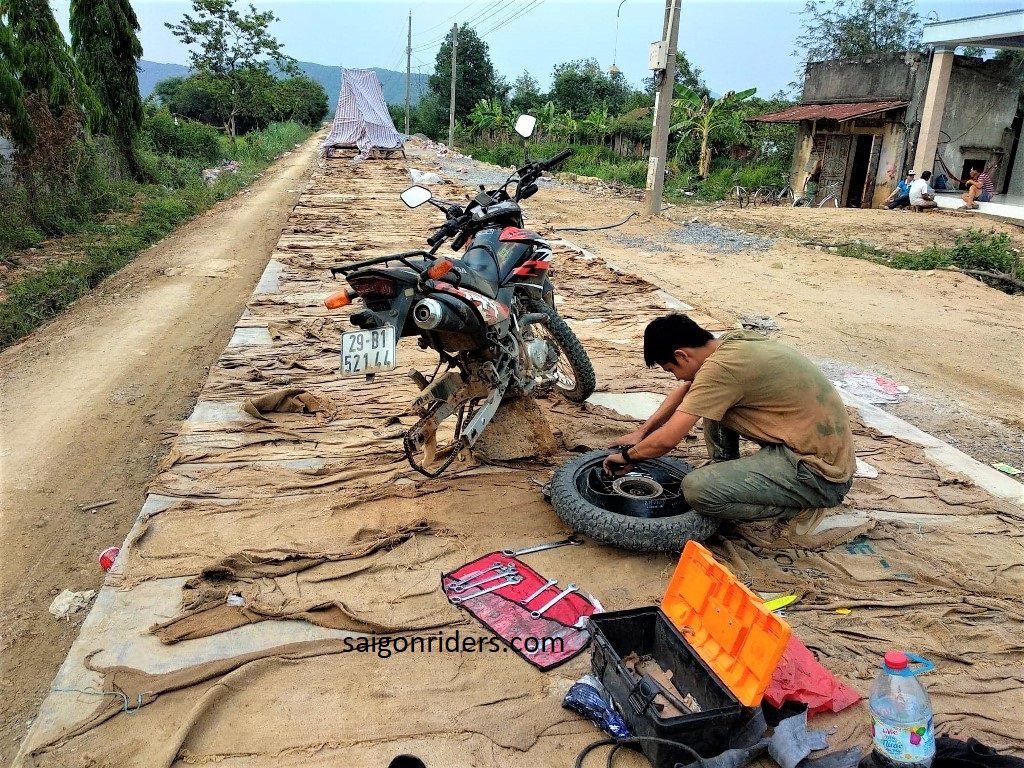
(720, 239)
(641, 243)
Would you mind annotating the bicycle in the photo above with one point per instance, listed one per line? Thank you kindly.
(832, 194)
(773, 196)
(740, 196)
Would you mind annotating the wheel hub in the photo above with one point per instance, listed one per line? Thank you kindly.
(636, 486)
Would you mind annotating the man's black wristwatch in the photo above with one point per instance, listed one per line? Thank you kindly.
(624, 452)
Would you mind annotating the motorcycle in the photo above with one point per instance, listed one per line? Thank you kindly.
(489, 313)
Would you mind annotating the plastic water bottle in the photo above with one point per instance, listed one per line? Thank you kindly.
(901, 713)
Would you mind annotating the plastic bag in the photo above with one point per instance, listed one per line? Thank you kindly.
(588, 697)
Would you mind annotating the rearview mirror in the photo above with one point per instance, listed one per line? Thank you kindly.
(525, 125)
(416, 196)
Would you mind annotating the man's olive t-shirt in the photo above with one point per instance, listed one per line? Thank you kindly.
(770, 393)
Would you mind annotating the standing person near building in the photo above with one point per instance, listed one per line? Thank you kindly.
(980, 189)
(811, 185)
(900, 197)
(922, 195)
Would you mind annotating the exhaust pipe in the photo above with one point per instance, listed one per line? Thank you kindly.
(432, 315)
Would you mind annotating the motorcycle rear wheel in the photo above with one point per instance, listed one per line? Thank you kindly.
(582, 382)
(653, 484)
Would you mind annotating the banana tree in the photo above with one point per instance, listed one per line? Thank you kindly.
(597, 125)
(695, 113)
(487, 116)
(547, 118)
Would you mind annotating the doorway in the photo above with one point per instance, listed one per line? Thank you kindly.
(859, 172)
(965, 172)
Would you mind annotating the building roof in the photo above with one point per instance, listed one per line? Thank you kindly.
(838, 112)
(993, 30)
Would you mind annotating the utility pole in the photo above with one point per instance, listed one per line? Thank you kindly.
(662, 112)
(408, 73)
(451, 105)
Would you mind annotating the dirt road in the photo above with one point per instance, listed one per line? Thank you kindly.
(87, 402)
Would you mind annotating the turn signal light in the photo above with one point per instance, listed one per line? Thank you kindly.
(439, 269)
(338, 300)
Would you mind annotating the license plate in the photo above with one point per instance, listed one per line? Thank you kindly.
(368, 351)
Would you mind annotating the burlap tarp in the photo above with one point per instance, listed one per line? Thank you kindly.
(316, 516)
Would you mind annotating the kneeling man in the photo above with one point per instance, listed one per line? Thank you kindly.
(744, 384)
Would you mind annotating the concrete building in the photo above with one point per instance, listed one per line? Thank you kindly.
(871, 119)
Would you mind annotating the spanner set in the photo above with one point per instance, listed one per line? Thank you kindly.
(497, 575)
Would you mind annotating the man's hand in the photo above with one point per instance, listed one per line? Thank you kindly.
(614, 464)
(629, 440)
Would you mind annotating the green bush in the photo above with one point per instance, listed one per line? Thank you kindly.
(974, 249)
(717, 184)
(263, 146)
(177, 137)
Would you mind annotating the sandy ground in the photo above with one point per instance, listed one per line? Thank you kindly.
(954, 341)
(83, 421)
(87, 403)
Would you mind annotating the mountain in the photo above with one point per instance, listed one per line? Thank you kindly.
(151, 73)
(393, 83)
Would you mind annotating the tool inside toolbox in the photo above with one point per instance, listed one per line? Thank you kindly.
(659, 686)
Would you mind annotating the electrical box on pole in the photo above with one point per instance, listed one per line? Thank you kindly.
(658, 55)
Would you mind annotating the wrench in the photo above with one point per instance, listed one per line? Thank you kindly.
(458, 599)
(570, 588)
(536, 594)
(542, 547)
(481, 582)
(470, 576)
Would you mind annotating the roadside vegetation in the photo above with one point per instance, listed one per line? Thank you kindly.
(96, 175)
(989, 256)
(607, 122)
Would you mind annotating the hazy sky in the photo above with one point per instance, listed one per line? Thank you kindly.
(736, 44)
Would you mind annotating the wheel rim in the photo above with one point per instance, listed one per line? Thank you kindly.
(652, 488)
(565, 376)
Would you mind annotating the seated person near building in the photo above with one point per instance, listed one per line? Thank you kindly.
(980, 188)
(900, 197)
(921, 195)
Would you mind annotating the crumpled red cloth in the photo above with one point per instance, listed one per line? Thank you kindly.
(800, 677)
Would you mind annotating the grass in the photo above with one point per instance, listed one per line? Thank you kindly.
(974, 250)
(102, 248)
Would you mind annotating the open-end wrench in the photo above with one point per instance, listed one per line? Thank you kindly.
(488, 580)
(508, 567)
(537, 594)
(538, 613)
(542, 547)
(457, 599)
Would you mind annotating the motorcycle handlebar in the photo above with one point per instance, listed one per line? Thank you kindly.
(560, 157)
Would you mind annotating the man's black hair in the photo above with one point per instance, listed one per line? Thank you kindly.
(926, 175)
(662, 337)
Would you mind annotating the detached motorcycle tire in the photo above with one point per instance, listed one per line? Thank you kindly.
(642, 534)
(569, 346)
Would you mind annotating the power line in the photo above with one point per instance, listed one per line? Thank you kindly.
(522, 12)
(466, 8)
(474, 20)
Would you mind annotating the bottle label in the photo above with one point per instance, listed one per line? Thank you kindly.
(904, 742)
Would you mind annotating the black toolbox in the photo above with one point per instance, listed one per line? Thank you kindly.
(648, 631)
(719, 643)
